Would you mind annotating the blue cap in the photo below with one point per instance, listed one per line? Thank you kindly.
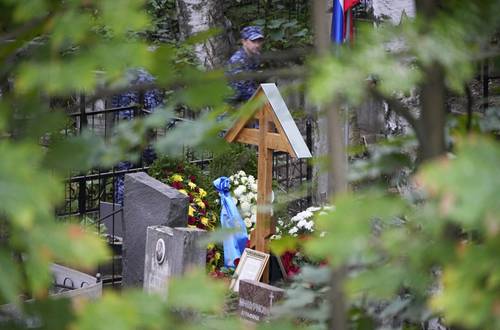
(252, 33)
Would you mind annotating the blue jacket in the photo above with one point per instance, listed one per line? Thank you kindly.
(242, 62)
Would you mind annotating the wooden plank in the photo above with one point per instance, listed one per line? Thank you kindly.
(240, 124)
(275, 141)
(281, 132)
(264, 225)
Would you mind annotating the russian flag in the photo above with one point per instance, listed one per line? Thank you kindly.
(342, 20)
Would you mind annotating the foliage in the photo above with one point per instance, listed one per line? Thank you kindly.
(283, 33)
(53, 50)
(165, 25)
(285, 26)
(234, 157)
(405, 259)
(436, 257)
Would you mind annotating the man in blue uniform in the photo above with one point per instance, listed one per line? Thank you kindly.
(246, 59)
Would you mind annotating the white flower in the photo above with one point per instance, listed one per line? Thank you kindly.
(235, 200)
(245, 207)
(309, 225)
(302, 223)
(242, 173)
(244, 180)
(253, 218)
(248, 222)
(239, 191)
(244, 198)
(294, 230)
(253, 186)
(313, 209)
(235, 182)
(302, 215)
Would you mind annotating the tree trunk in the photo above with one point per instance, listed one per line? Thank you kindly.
(432, 119)
(200, 15)
(337, 167)
(433, 114)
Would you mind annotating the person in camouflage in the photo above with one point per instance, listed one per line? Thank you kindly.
(150, 100)
(246, 59)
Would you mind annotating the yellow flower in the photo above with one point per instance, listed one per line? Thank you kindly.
(191, 185)
(190, 211)
(176, 178)
(182, 191)
(204, 221)
(203, 193)
(210, 246)
(217, 255)
(200, 204)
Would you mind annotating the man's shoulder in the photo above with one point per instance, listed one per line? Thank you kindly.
(239, 56)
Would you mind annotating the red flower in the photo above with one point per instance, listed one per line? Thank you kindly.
(177, 185)
(287, 260)
(236, 262)
(193, 179)
(191, 220)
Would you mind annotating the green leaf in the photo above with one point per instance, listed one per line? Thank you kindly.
(185, 292)
(10, 279)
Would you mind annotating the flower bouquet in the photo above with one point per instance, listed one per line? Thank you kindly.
(300, 225)
(244, 191)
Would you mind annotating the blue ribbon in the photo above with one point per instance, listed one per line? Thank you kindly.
(230, 218)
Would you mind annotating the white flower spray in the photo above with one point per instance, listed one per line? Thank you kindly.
(244, 190)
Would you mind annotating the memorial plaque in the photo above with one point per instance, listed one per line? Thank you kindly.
(257, 299)
(170, 252)
(250, 267)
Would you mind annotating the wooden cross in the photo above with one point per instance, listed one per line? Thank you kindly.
(276, 131)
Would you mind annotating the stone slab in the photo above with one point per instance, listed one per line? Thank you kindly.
(112, 218)
(171, 252)
(256, 299)
(147, 202)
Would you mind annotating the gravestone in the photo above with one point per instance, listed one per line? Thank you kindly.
(147, 202)
(112, 218)
(256, 299)
(170, 252)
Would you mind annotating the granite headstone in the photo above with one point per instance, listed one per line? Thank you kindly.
(170, 252)
(147, 202)
(256, 299)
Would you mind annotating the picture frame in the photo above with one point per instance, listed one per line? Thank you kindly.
(251, 266)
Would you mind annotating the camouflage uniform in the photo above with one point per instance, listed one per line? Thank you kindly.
(242, 62)
(152, 99)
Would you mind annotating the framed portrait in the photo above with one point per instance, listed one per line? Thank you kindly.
(251, 266)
